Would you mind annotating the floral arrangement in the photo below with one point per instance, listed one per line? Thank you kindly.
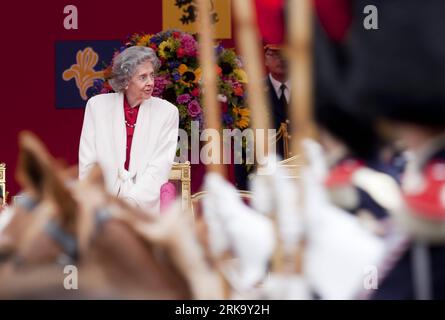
(179, 77)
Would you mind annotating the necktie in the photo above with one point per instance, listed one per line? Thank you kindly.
(283, 100)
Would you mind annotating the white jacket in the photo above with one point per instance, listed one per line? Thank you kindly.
(103, 141)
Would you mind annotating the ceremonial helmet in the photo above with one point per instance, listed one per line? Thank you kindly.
(399, 69)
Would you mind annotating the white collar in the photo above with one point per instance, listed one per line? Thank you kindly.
(277, 84)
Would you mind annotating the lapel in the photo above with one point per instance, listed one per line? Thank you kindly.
(272, 92)
(277, 109)
(141, 143)
(118, 130)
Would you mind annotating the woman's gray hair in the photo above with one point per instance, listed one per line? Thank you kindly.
(126, 62)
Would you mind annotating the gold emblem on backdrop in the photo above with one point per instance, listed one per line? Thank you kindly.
(83, 71)
(182, 14)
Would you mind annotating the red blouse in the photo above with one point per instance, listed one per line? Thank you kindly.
(131, 115)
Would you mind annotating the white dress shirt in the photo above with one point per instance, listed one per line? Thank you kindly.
(277, 84)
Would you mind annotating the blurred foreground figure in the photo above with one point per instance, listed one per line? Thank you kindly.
(59, 221)
(402, 79)
(355, 169)
(356, 172)
(338, 248)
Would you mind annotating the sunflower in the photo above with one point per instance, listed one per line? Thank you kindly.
(166, 48)
(243, 117)
(241, 75)
(244, 112)
(198, 74)
(242, 123)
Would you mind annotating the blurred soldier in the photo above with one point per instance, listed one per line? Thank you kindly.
(347, 132)
(352, 148)
(403, 79)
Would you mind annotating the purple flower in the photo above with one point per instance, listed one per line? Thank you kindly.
(176, 76)
(173, 64)
(183, 98)
(201, 122)
(227, 118)
(156, 39)
(219, 49)
(194, 108)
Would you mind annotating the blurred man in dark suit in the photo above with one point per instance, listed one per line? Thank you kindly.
(278, 88)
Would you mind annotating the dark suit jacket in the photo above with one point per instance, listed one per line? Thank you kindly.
(399, 285)
(278, 114)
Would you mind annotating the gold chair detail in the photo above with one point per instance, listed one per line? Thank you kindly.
(290, 165)
(181, 173)
(196, 198)
(283, 135)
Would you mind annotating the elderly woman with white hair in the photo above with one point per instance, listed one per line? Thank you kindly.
(130, 134)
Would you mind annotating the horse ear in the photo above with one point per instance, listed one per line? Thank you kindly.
(34, 161)
(40, 174)
(96, 176)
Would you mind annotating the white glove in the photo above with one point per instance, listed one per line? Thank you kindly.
(275, 193)
(339, 249)
(251, 235)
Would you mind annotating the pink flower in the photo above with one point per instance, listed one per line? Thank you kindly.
(189, 45)
(183, 98)
(161, 82)
(194, 108)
